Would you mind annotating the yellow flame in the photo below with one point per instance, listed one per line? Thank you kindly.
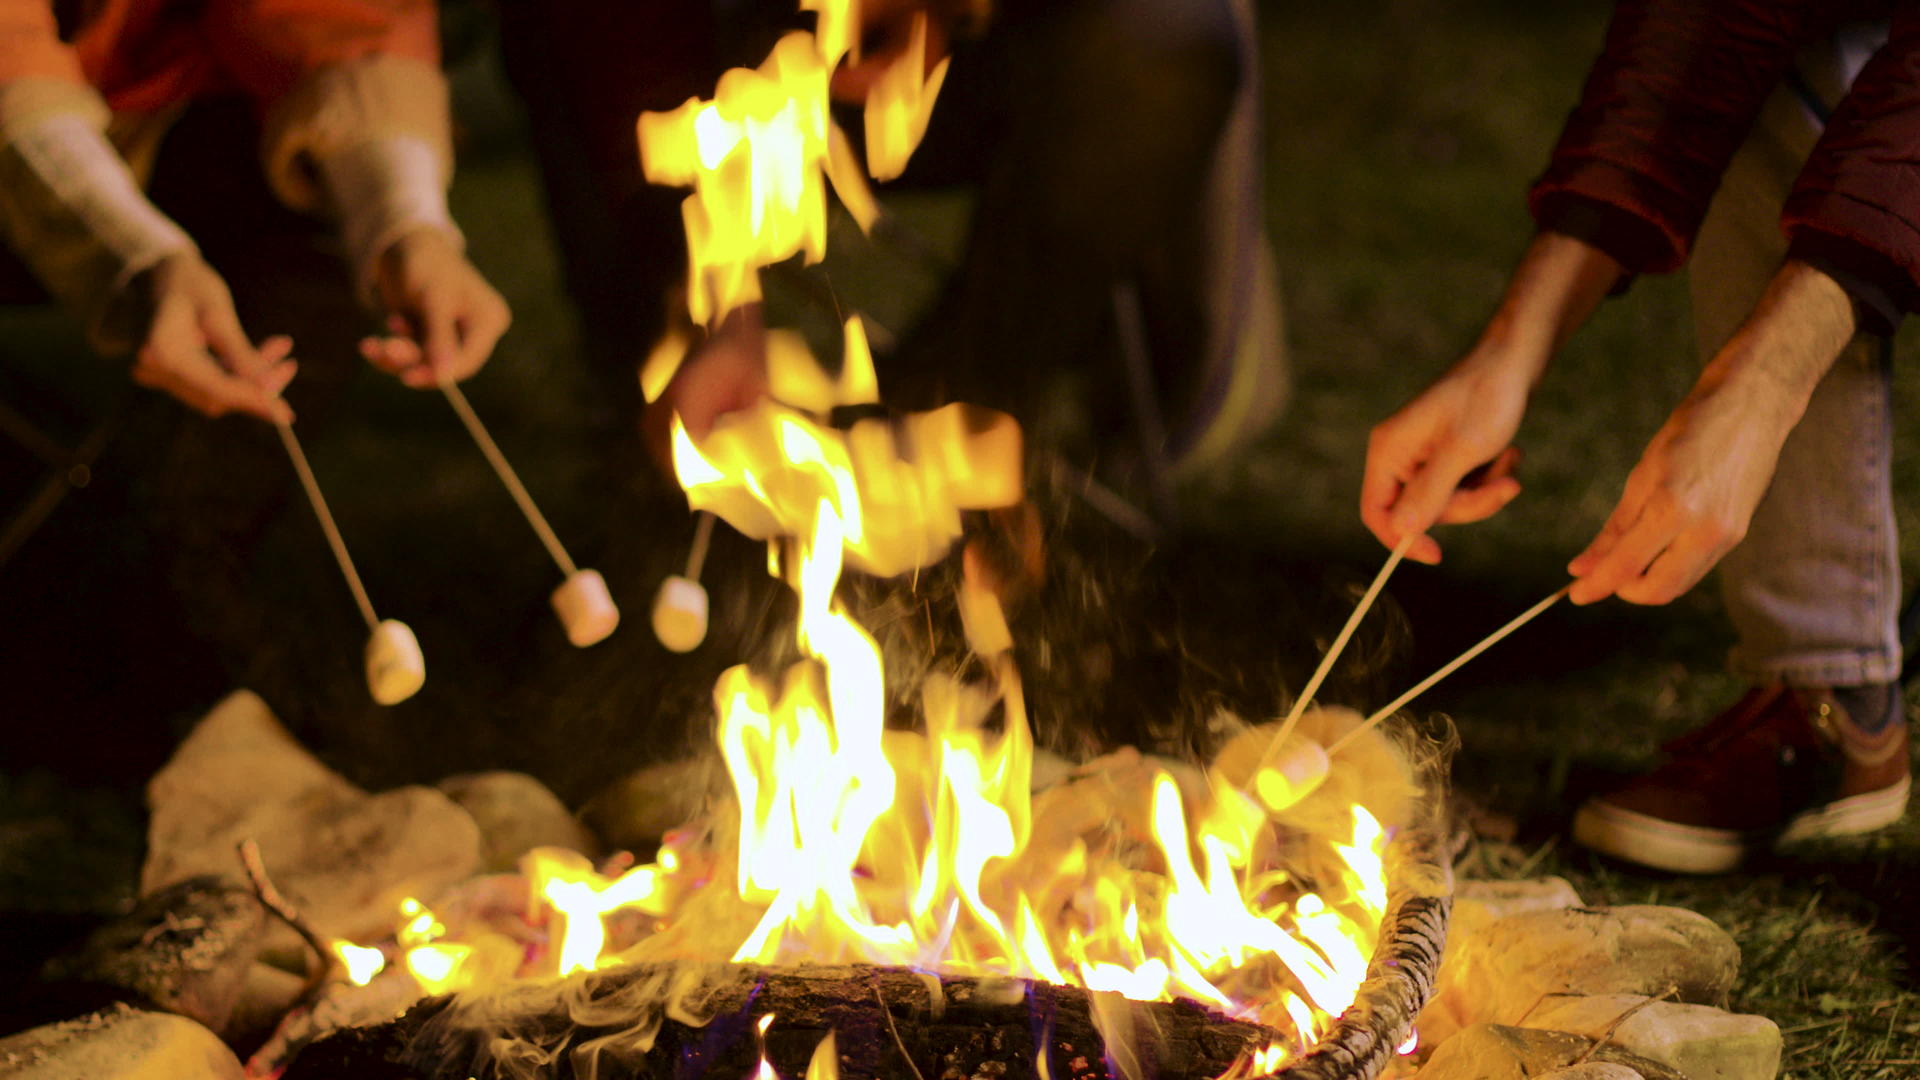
(900, 105)
(361, 963)
(924, 848)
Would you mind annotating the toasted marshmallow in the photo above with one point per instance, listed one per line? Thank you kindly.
(680, 614)
(585, 608)
(395, 668)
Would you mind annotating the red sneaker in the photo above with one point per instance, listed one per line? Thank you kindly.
(1784, 763)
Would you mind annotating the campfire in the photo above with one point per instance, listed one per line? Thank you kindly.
(872, 891)
(1254, 884)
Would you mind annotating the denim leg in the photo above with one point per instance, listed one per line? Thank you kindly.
(1813, 590)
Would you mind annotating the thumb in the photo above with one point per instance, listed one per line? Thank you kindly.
(1425, 496)
(439, 337)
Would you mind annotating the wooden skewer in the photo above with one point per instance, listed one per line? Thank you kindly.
(702, 536)
(1333, 652)
(327, 526)
(508, 477)
(1421, 687)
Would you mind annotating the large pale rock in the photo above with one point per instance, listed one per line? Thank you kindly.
(1476, 906)
(1704, 1042)
(1497, 1052)
(344, 857)
(1594, 1070)
(185, 949)
(121, 1043)
(1506, 967)
(1478, 903)
(516, 814)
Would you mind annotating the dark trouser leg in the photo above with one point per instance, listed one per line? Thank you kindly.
(1091, 127)
(587, 69)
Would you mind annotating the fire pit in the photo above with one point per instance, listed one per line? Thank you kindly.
(890, 1022)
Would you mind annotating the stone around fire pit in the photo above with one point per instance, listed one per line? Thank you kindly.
(120, 1043)
(1701, 1041)
(1505, 968)
(516, 814)
(344, 857)
(1498, 1052)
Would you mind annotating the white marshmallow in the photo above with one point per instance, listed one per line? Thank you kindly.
(680, 614)
(1299, 768)
(585, 608)
(395, 668)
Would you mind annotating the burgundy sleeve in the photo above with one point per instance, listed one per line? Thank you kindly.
(1671, 97)
(1855, 210)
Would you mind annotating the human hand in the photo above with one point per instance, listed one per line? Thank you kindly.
(1446, 456)
(886, 32)
(1690, 498)
(443, 317)
(724, 373)
(196, 351)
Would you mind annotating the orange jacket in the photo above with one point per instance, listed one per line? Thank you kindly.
(144, 55)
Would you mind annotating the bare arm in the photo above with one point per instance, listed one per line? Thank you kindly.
(1689, 500)
(1417, 457)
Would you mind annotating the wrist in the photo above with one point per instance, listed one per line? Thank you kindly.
(383, 191)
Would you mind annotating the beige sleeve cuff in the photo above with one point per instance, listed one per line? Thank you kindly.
(24, 103)
(345, 105)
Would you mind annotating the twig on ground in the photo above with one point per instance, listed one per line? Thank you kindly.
(271, 899)
(1607, 1035)
(897, 1040)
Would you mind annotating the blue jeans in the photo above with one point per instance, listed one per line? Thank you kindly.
(1814, 590)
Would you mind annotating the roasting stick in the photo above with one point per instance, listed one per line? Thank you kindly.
(395, 668)
(1333, 652)
(680, 607)
(1421, 687)
(582, 602)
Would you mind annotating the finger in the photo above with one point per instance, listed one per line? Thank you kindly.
(1428, 491)
(480, 331)
(276, 348)
(1628, 510)
(228, 342)
(439, 340)
(1628, 558)
(1480, 502)
(1678, 569)
(1392, 455)
(391, 355)
(201, 383)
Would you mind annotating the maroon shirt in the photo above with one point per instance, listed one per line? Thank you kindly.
(1673, 95)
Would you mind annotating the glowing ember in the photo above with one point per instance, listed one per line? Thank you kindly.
(361, 963)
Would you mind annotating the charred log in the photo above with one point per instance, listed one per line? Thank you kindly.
(888, 1023)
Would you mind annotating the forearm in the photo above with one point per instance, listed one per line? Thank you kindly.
(73, 212)
(1786, 346)
(381, 189)
(1557, 285)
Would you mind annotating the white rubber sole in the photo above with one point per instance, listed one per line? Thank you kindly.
(1692, 849)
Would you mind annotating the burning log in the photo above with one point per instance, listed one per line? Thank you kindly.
(891, 1022)
(887, 1023)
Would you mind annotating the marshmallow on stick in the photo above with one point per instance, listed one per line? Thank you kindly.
(582, 602)
(395, 667)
